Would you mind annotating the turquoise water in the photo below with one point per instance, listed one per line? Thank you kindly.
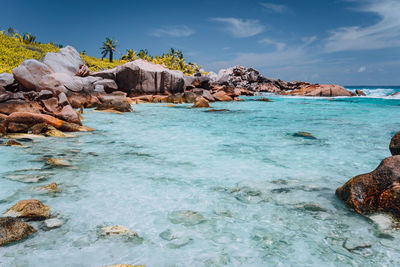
(267, 197)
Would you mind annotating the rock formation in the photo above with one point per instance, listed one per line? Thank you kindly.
(376, 191)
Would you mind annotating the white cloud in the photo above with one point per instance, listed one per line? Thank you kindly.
(362, 69)
(279, 45)
(383, 34)
(172, 31)
(241, 28)
(274, 7)
(282, 57)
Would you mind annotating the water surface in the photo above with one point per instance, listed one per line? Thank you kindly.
(267, 197)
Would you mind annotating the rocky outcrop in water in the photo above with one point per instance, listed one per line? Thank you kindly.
(12, 229)
(376, 191)
(141, 77)
(327, 90)
(61, 83)
(29, 209)
(54, 87)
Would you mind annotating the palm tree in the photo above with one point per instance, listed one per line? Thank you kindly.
(109, 46)
(130, 55)
(144, 54)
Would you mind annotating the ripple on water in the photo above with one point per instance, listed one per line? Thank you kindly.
(209, 188)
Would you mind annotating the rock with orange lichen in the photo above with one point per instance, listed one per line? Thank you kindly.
(12, 229)
(374, 191)
(31, 209)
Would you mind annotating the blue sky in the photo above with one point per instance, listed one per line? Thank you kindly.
(349, 42)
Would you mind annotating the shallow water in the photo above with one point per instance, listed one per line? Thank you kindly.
(262, 196)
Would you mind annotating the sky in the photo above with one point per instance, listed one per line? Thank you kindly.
(347, 42)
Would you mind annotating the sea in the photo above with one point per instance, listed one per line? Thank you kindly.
(233, 187)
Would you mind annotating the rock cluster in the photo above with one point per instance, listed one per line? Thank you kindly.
(377, 191)
(47, 92)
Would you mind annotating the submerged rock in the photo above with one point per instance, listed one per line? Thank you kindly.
(168, 235)
(12, 143)
(186, 217)
(312, 207)
(217, 110)
(117, 230)
(304, 135)
(124, 265)
(58, 162)
(28, 175)
(264, 99)
(31, 209)
(50, 188)
(12, 229)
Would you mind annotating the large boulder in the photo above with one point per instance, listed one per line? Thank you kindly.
(6, 80)
(327, 90)
(30, 74)
(395, 145)
(31, 209)
(204, 93)
(18, 105)
(141, 77)
(197, 82)
(374, 191)
(222, 96)
(66, 61)
(30, 119)
(12, 229)
(201, 102)
(116, 102)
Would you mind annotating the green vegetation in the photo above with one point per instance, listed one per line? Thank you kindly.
(14, 49)
(109, 46)
(97, 64)
(172, 60)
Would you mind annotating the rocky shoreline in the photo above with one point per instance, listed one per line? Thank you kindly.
(40, 93)
(47, 98)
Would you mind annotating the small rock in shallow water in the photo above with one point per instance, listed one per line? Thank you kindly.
(26, 176)
(264, 99)
(186, 217)
(117, 231)
(50, 188)
(217, 110)
(167, 235)
(304, 135)
(53, 223)
(58, 162)
(54, 133)
(12, 143)
(312, 207)
(12, 229)
(178, 243)
(29, 209)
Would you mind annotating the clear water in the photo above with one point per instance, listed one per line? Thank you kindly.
(243, 170)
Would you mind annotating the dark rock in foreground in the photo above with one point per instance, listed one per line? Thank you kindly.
(395, 145)
(375, 191)
(12, 229)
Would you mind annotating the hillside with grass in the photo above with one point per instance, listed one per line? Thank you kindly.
(15, 48)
